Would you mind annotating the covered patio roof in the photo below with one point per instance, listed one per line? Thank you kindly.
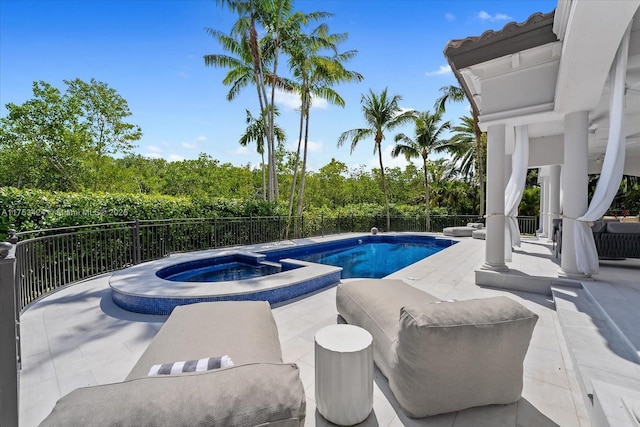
(537, 71)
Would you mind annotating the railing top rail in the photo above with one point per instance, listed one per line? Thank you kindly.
(147, 221)
(62, 230)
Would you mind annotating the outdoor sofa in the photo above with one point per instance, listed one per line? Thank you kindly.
(259, 390)
(463, 231)
(615, 239)
(441, 356)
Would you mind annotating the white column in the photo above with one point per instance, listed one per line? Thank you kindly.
(545, 207)
(574, 186)
(494, 247)
(554, 197)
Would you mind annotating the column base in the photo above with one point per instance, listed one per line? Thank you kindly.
(573, 275)
(500, 267)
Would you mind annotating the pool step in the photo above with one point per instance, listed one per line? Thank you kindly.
(271, 263)
(606, 365)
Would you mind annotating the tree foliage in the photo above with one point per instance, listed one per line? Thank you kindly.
(61, 141)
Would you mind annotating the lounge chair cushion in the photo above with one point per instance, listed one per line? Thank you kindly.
(243, 330)
(375, 306)
(458, 231)
(456, 355)
(242, 396)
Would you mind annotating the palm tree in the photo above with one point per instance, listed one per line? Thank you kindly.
(314, 75)
(381, 114)
(462, 146)
(456, 94)
(428, 138)
(253, 14)
(255, 133)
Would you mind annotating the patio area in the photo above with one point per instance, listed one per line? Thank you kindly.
(77, 337)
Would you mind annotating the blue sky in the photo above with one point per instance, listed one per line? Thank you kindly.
(151, 52)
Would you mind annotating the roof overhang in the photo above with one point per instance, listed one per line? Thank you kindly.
(536, 72)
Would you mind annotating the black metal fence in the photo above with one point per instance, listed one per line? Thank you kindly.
(49, 259)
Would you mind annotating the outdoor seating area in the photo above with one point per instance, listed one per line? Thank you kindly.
(463, 231)
(438, 354)
(258, 389)
(61, 353)
(616, 239)
(269, 321)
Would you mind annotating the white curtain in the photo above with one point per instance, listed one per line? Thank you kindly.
(612, 166)
(515, 188)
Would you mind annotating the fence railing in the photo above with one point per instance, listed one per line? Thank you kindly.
(49, 259)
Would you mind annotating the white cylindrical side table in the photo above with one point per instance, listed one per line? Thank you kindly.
(344, 374)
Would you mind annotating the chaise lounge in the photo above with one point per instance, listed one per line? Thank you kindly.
(463, 231)
(441, 356)
(258, 390)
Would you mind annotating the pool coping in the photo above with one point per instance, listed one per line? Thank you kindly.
(138, 288)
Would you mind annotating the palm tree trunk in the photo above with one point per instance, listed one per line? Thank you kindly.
(272, 123)
(384, 183)
(427, 211)
(262, 96)
(264, 178)
(294, 180)
(303, 172)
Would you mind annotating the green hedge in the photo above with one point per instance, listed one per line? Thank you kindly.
(37, 209)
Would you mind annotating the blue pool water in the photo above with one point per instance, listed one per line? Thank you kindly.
(364, 257)
(373, 260)
(223, 272)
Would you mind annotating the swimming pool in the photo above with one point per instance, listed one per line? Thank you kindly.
(366, 257)
(144, 288)
(222, 269)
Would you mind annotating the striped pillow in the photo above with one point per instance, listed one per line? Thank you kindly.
(201, 365)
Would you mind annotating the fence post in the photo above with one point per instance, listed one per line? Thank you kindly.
(322, 225)
(137, 252)
(8, 337)
(251, 228)
(13, 239)
(302, 222)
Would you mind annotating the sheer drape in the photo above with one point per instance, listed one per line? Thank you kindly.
(515, 188)
(612, 167)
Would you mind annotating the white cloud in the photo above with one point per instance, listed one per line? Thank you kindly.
(291, 101)
(484, 16)
(183, 75)
(241, 151)
(153, 155)
(441, 71)
(450, 17)
(175, 158)
(154, 149)
(195, 143)
(312, 147)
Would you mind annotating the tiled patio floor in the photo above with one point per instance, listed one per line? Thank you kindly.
(77, 337)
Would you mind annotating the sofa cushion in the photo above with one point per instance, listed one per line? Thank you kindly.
(249, 395)
(456, 355)
(476, 225)
(243, 330)
(458, 231)
(374, 304)
(623, 227)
